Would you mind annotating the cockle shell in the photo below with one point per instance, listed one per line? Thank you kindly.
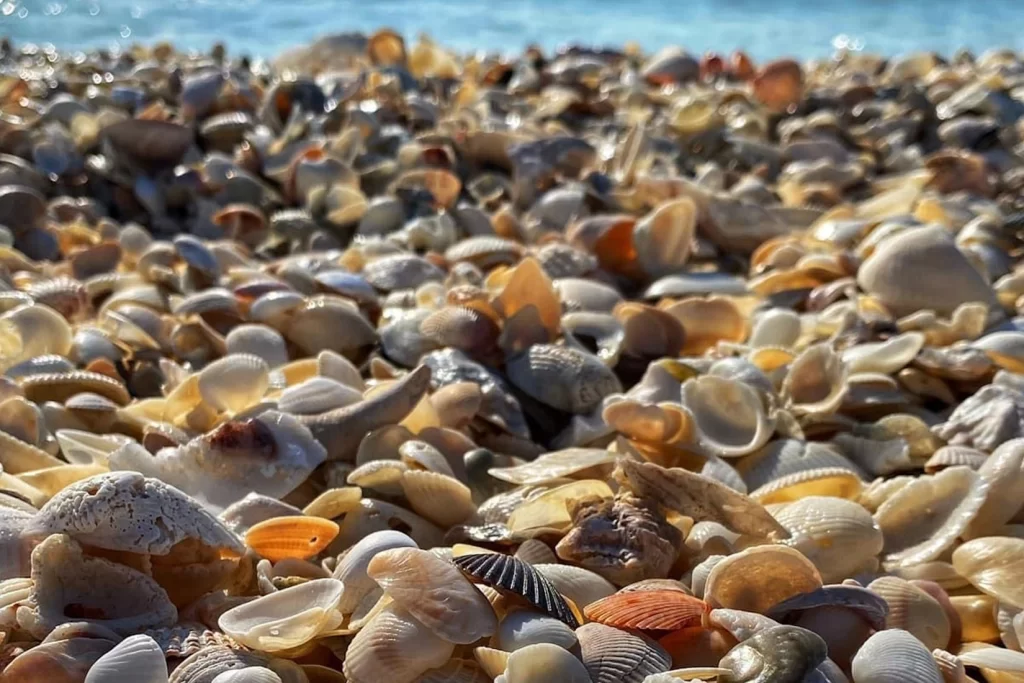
(136, 658)
(993, 565)
(521, 628)
(839, 536)
(664, 610)
(562, 377)
(894, 656)
(582, 586)
(508, 574)
(914, 610)
(395, 647)
(286, 619)
(816, 381)
(544, 662)
(352, 569)
(612, 654)
(760, 577)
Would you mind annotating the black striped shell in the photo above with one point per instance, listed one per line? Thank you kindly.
(504, 572)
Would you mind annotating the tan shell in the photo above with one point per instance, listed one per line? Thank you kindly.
(580, 585)
(707, 321)
(70, 586)
(394, 647)
(544, 662)
(439, 498)
(837, 482)
(785, 457)
(886, 357)
(952, 498)
(352, 569)
(729, 416)
(977, 617)
(993, 565)
(894, 656)
(556, 465)
(913, 610)
(1002, 473)
(757, 578)
(954, 456)
(234, 382)
(285, 619)
(816, 381)
(837, 535)
(663, 239)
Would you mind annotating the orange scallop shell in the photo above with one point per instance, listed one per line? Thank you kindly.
(658, 610)
(299, 537)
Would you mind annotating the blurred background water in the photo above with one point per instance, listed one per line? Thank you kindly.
(803, 28)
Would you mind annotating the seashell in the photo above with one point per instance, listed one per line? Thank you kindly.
(60, 386)
(63, 660)
(611, 654)
(977, 617)
(401, 271)
(664, 238)
(129, 512)
(551, 511)
(578, 294)
(901, 274)
(708, 321)
(914, 611)
(952, 498)
(249, 674)
(205, 665)
(283, 537)
(555, 465)
(562, 377)
(991, 565)
(992, 416)
(136, 658)
(253, 509)
(698, 497)
(455, 671)
(776, 327)
(729, 416)
(1006, 349)
(662, 610)
(185, 640)
(886, 357)
(70, 586)
(438, 497)
(837, 535)
(536, 552)
(235, 382)
(582, 586)
(285, 619)
(327, 322)
(352, 569)
(894, 655)
(150, 143)
(492, 661)
(334, 503)
(624, 540)
(758, 578)
(816, 381)
(512, 576)
(432, 590)
(1002, 474)
(993, 662)
(394, 646)
(779, 84)
(19, 457)
(784, 458)
(317, 395)
(867, 604)
(521, 628)
(778, 653)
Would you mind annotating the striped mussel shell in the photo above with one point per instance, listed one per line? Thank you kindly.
(512, 575)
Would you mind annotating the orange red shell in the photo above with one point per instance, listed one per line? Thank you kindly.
(656, 610)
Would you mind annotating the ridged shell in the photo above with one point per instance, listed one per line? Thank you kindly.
(250, 674)
(612, 655)
(1003, 473)
(234, 382)
(952, 498)
(914, 611)
(60, 386)
(136, 658)
(520, 628)
(661, 610)
(401, 271)
(317, 395)
(442, 499)
(953, 456)
(394, 647)
(994, 566)
(758, 578)
(334, 502)
(837, 535)
(786, 457)
(894, 656)
(283, 537)
(562, 377)
(837, 482)
(729, 415)
(582, 586)
(780, 654)
(287, 618)
(542, 663)
(205, 665)
(351, 570)
(186, 639)
(455, 671)
(435, 593)
(506, 573)
(537, 552)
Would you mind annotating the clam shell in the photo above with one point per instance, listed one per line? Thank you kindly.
(816, 381)
(894, 656)
(914, 611)
(953, 456)
(521, 628)
(952, 497)
(839, 536)
(778, 327)
(661, 610)
(785, 457)
(562, 377)
(442, 499)
(544, 662)
(729, 416)
(299, 537)
(537, 552)
(550, 511)
(136, 658)
(234, 382)
(352, 569)
(582, 586)
(758, 578)
(395, 647)
(993, 565)
(514, 576)
(837, 482)
(778, 653)
(334, 502)
(1002, 474)
(285, 619)
(611, 654)
(249, 674)
(432, 590)
(552, 466)
(707, 321)
(886, 357)
(664, 238)
(205, 665)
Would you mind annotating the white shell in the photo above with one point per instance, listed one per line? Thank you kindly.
(886, 357)
(394, 648)
(580, 585)
(837, 535)
(351, 570)
(235, 382)
(730, 417)
(545, 663)
(136, 658)
(287, 618)
(250, 674)
(317, 395)
(894, 656)
(522, 627)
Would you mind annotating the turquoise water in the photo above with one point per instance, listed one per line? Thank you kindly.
(763, 27)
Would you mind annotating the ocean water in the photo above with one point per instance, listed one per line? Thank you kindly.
(765, 28)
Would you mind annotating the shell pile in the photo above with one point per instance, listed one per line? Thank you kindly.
(381, 363)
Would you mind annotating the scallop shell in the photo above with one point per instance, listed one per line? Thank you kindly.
(729, 416)
(299, 537)
(352, 569)
(205, 665)
(508, 574)
(612, 655)
(661, 610)
(544, 662)
(816, 381)
(70, 586)
(582, 586)
(442, 499)
(432, 590)
(914, 611)
(394, 647)
(894, 656)
(136, 658)
(993, 565)
(521, 628)
(698, 497)
(952, 498)
(334, 502)
(553, 466)
(287, 618)
(126, 511)
(836, 482)
(562, 377)
(837, 535)
(783, 654)
(758, 578)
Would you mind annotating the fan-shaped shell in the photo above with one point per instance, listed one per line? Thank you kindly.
(352, 569)
(394, 647)
(661, 610)
(300, 537)
(234, 382)
(562, 377)
(994, 566)
(612, 655)
(555, 465)
(435, 593)
(894, 656)
(729, 416)
(758, 578)
(786, 457)
(914, 611)
(886, 357)
(580, 585)
(317, 395)
(137, 658)
(442, 499)
(837, 535)
(521, 628)
(514, 576)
